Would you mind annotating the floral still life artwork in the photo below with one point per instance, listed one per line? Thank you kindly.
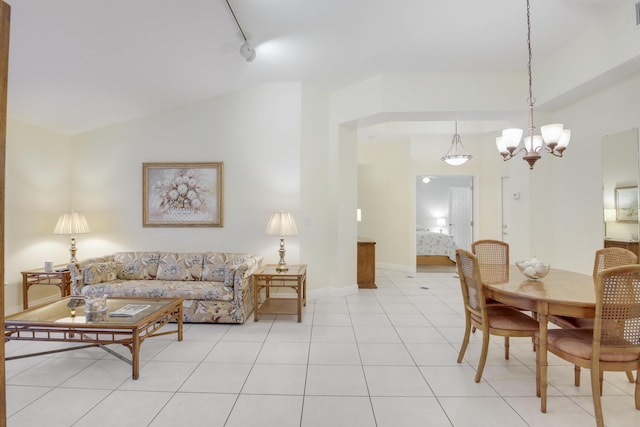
(182, 194)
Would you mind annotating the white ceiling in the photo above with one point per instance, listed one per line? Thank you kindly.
(76, 65)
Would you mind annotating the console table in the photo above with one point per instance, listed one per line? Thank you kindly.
(61, 279)
(366, 264)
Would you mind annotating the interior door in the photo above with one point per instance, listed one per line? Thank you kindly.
(461, 215)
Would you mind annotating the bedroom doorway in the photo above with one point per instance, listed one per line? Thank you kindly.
(444, 207)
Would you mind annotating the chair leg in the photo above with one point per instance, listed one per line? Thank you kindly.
(596, 392)
(465, 340)
(630, 377)
(483, 355)
(506, 348)
(576, 375)
(637, 393)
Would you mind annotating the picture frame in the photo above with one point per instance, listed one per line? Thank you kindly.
(179, 194)
(627, 204)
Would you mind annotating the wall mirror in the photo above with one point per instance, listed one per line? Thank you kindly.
(620, 170)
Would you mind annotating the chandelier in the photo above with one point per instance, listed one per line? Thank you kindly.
(554, 138)
(457, 155)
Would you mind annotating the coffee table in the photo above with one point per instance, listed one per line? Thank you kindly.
(58, 321)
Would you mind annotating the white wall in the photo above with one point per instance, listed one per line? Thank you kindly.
(258, 135)
(36, 193)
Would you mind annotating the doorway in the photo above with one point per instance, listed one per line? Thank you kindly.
(444, 204)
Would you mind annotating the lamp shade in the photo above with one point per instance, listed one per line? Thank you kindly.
(281, 224)
(71, 223)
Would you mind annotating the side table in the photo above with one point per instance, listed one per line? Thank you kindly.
(267, 277)
(61, 279)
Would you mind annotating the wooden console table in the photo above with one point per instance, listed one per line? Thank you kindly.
(61, 279)
(366, 264)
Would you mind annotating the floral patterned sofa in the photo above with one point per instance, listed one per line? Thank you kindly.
(216, 286)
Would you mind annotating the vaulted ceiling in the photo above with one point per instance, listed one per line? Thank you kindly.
(76, 65)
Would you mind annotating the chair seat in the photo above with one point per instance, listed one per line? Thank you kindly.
(579, 342)
(504, 317)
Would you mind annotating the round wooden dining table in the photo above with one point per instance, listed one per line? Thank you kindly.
(561, 292)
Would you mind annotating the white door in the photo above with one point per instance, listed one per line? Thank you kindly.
(461, 215)
(505, 211)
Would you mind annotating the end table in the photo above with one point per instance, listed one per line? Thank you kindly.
(267, 277)
(60, 278)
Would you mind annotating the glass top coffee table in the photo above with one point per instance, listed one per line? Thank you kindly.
(66, 321)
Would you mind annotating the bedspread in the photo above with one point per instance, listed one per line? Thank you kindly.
(430, 243)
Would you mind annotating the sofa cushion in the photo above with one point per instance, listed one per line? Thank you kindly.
(216, 265)
(136, 265)
(99, 272)
(196, 290)
(179, 266)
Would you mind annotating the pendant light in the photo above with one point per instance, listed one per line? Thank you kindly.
(554, 138)
(457, 154)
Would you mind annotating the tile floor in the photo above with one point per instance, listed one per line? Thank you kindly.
(383, 357)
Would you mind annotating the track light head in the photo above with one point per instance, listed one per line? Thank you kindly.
(247, 51)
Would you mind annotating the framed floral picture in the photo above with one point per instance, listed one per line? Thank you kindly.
(182, 195)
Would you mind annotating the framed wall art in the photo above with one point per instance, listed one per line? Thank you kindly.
(182, 195)
(627, 204)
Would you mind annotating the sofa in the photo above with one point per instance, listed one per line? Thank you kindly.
(216, 286)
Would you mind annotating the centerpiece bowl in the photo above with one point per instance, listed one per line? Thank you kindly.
(534, 271)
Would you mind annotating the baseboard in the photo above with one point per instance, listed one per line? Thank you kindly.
(396, 267)
(32, 303)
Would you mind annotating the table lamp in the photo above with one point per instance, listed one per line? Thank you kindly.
(72, 223)
(281, 224)
(441, 223)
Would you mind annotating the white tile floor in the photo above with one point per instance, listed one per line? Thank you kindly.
(383, 357)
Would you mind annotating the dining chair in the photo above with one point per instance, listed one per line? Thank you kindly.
(605, 258)
(613, 344)
(491, 319)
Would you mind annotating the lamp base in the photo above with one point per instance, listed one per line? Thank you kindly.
(282, 265)
(73, 250)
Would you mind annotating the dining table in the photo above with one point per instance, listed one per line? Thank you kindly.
(560, 292)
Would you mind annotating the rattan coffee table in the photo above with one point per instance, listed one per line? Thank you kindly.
(60, 322)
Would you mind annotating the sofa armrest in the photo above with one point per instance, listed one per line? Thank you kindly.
(243, 277)
(77, 272)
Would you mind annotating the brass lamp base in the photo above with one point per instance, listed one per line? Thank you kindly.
(282, 265)
(73, 250)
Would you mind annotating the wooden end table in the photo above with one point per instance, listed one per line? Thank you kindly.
(267, 277)
(60, 278)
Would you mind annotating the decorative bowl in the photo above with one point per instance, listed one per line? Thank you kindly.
(533, 271)
(96, 304)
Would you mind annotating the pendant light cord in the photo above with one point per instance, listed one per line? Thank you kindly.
(531, 99)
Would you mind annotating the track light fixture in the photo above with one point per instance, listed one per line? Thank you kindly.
(246, 50)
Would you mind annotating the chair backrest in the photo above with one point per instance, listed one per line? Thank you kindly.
(617, 321)
(471, 283)
(493, 258)
(491, 252)
(612, 257)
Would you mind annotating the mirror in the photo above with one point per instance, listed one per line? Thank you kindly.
(620, 170)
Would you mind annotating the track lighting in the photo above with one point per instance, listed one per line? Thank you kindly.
(246, 50)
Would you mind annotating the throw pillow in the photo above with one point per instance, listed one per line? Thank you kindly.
(99, 272)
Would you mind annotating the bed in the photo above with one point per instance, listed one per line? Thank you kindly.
(434, 248)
